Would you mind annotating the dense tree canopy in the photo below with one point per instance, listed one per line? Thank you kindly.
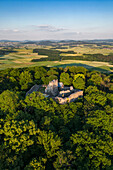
(25, 79)
(65, 79)
(38, 133)
(79, 81)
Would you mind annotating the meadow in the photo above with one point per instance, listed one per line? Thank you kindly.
(22, 57)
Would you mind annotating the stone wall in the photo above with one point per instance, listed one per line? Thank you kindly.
(75, 95)
(33, 89)
(70, 98)
(52, 88)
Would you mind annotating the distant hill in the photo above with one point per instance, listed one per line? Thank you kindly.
(63, 42)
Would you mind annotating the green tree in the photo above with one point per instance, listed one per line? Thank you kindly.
(52, 72)
(74, 70)
(8, 101)
(37, 164)
(94, 98)
(50, 142)
(79, 81)
(25, 79)
(46, 80)
(110, 98)
(17, 137)
(92, 151)
(65, 79)
(64, 160)
(95, 79)
(40, 72)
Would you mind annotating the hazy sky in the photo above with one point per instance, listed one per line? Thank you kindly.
(56, 19)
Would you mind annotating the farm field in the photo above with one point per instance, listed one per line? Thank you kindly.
(89, 49)
(22, 57)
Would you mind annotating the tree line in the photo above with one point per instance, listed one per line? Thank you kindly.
(55, 55)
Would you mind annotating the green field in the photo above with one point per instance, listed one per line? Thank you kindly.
(22, 58)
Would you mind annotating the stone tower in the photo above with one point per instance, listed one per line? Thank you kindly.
(52, 88)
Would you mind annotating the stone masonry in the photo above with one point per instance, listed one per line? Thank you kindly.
(70, 98)
(61, 94)
(52, 88)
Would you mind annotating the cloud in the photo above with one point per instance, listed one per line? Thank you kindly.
(9, 31)
(15, 30)
(47, 32)
(48, 28)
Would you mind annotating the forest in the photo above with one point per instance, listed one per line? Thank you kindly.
(36, 133)
(55, 55)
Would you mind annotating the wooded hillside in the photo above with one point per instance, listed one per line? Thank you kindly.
(38, 133)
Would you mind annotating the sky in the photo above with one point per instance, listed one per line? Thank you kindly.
(56, 19)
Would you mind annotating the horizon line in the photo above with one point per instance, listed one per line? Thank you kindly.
(60, 40)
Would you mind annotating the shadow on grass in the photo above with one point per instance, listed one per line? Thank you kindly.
(106, 69)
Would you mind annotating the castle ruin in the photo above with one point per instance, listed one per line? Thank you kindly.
(60, 93)
(52, 88)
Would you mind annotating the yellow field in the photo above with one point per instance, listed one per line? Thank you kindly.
(89, 50)
(22, 57)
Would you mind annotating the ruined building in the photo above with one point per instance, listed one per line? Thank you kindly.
(71, 98)
(62, 94)
(52, 88)
(33, 89)
(58, 92)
